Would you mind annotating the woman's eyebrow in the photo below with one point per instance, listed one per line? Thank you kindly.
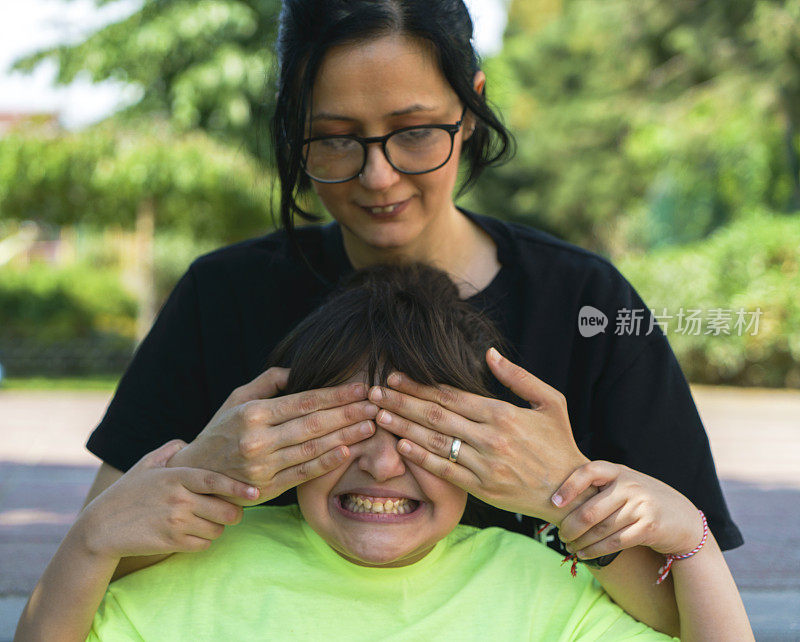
(323, 115)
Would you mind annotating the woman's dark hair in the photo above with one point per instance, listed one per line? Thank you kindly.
(308, 28)
(405, 317)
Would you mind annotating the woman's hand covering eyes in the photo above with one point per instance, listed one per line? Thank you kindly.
(512, 458)
(275, 444)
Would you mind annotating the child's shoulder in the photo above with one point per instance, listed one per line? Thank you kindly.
(271, 516)
(494, 537)
(510, 547)
(519, 555)
(281, 524)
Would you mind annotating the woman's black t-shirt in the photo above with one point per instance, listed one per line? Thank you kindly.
(627, 398)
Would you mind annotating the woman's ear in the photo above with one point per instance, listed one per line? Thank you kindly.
(478, 83)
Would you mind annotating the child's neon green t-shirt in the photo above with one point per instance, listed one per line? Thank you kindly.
(271, 577)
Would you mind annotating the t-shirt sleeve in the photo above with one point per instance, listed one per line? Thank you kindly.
(598, 619)
(644, 417)
(563, 607)
(606, 622)
(162, 395)
(112, 624)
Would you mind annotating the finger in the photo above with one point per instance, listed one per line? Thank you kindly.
(626, 537)
(283, 409)
(217, 510)
(191, 544)
(611, 524)
(595, 473)
(590, 514)
(161, 455)
(302, 472)
(208, 482)
(266, 385)
(203, 528)
(466, 404)
(443, 468)
(321, 422)
(432, 440)
(308, 450)
(424, 413)
(521, 382)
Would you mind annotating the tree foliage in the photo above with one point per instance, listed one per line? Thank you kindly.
(102, 175)
(752, 264)
(201, 64)
(642, 123)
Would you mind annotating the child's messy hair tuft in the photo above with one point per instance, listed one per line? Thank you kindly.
(405, 317)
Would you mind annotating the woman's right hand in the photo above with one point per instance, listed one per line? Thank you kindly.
(276, 444)
(154, 510)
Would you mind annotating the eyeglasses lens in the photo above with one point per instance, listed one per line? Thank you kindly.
(412, 151)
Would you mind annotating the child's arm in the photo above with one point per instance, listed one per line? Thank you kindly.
(107, 475)
(149, 510)
(65, 599)
(635, 510)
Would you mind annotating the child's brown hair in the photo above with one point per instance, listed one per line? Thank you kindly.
(405, 317)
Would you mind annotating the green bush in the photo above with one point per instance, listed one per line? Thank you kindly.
(56, 304)
(754, 263)
(75, 320)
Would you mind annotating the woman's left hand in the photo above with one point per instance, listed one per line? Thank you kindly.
(510, 457)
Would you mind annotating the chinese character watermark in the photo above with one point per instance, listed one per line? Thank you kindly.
(691, 321)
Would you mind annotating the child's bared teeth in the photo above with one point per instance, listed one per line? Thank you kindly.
(363, 504)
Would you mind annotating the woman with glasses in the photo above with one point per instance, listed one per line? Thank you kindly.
(380, 105)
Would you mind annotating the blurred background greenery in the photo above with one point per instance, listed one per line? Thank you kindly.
(664, 136)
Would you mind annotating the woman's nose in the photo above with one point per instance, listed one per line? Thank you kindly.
(379, 456)
(378, 174)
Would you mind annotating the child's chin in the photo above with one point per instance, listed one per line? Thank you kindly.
(377, 556)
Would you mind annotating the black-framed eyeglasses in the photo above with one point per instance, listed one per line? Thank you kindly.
(418, 149)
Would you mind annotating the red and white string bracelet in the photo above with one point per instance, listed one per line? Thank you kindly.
(664, 570)
(573, 569)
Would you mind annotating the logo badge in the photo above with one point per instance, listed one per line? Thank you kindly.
(591, 321)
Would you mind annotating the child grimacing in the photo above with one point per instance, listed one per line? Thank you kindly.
(336, 561)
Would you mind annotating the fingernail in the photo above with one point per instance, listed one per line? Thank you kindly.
(494, 355)
(557, 499)
(384, 417)
(393, 379)
(581, 554)
(404, 448)
(252, 492)
(376, 394)
(366, 428)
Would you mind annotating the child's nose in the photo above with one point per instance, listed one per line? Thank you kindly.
(379, 456)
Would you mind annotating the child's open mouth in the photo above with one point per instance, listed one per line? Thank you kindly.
(380, 509)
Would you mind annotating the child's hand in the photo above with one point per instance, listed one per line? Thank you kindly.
(631, 509)
(153, 510)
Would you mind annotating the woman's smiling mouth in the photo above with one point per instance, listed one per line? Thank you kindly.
(386, 212)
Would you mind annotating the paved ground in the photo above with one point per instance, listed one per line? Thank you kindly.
(755, 435)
